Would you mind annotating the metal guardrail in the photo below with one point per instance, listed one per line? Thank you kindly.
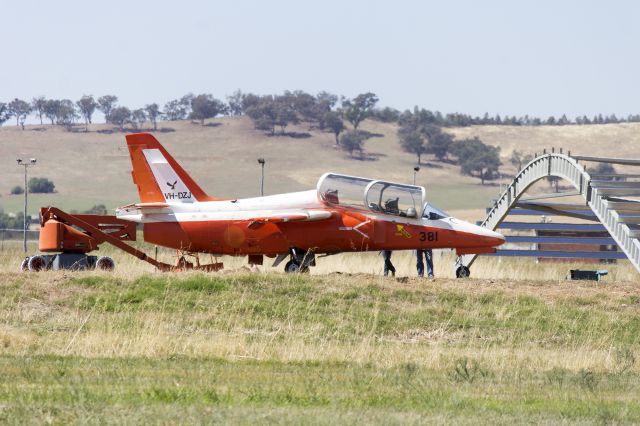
(602, 197)
(8, 235)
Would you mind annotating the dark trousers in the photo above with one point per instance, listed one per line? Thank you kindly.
(388, 266)
(428, 257)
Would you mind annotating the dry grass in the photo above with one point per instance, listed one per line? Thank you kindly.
(371, 263)
(340, 346)
(93, 168)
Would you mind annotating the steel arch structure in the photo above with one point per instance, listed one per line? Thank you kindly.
(602, 196)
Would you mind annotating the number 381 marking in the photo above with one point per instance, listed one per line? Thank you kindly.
(428, 236)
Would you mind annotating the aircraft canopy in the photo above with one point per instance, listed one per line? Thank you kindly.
(370, 195)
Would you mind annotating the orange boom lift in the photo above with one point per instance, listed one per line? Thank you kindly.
(71, 236)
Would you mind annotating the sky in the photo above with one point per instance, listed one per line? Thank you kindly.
(538, 58)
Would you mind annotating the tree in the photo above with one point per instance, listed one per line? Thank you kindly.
(17, 190)
(120, 116)
(41, 185)
(87, 106)
(605, 171)
(304, 105)
(262, 110)
(285, 112)
(235, 103)
(153, 112)
(66, 113)
(175, 110)
(106, 103)
(518, 159)
(50, 109)
(333, 121)
(138, 117)
(476, 158)
(412, 141)
(249, 100)
(326, 101)
(352, 140)
(438, 142)
(37, 105)
(205, 106)
(4, 113)
(423, 123)
(19, 109)
(386, 115)
(11, 222)
(356, 110)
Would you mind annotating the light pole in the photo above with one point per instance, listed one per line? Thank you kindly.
(25, 164)
(416, 169)
(261, 162)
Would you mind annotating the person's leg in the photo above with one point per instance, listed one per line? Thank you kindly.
(386, 255)
(428, 255)
(388, 266)
(419, 264)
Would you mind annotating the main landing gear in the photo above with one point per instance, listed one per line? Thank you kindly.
(300, 261)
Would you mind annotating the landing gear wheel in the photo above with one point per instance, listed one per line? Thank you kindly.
(105, 263)
(37, 263)
(462, 272)
(24, 266)
(291, 267)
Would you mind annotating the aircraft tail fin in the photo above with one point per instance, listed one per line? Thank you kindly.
(158, 176)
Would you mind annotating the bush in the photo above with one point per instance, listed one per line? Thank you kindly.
(97, 209)
(17, 190)
(41, 186)
(352, 141)
(11, 222)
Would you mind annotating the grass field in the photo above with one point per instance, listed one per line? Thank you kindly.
(516, 344)
(245, 348)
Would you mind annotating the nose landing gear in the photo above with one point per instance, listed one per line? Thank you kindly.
(462, 271)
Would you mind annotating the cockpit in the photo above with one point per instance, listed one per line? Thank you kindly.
(370, 195)
(433, 213)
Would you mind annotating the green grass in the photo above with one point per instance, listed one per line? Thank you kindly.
(241, 348)
(136, 390)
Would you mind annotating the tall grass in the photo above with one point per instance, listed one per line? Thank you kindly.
(353, 263)
(136, 346)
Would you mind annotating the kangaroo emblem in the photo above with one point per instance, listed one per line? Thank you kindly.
(401, 232)
(172, 185)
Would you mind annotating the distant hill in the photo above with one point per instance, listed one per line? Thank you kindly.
(93, 167)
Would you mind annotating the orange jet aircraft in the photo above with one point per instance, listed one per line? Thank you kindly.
(344, 213)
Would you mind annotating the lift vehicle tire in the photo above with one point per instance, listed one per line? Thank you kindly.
(105, 263)
(37, 263)
(462, 272)
(24, 266)
(291, 267)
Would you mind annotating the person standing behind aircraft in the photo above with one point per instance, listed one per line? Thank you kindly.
(388, 266)
(428, 257)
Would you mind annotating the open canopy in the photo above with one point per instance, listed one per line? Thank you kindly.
(378, 196)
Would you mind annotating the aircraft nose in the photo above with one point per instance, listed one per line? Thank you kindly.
(494, 238)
